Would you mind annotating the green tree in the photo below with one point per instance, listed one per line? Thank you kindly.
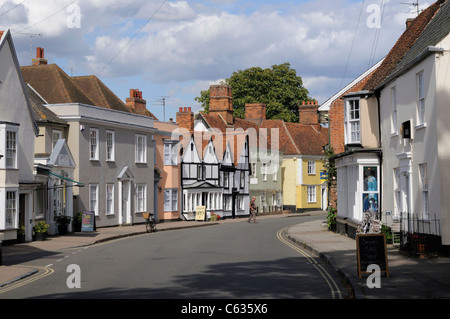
(279, 87)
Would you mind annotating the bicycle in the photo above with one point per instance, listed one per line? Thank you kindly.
(150, 222)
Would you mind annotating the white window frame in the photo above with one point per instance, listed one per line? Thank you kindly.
(170, 154)
(311, 167)
(56, 135)
(11, 208)
(311, 192)
(93, 198)
(141, 148)
(141, 198)
(93, 144)
(170, 199)
(423, 173)
(264, 171)
(394, 121)
(275, 172)
(397, 192)
(110, 146)
(420, 83)
(109, 190)
(214, 201)
(11, 149)
(352, 121)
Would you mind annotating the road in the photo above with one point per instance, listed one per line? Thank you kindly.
(226, 261)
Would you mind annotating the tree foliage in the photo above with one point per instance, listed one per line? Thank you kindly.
(279, 87)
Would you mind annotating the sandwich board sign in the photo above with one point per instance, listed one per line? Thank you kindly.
(371, 250)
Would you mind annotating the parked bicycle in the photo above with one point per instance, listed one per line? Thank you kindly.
(150, 222)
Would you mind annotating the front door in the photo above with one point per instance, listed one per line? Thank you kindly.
(126, 203)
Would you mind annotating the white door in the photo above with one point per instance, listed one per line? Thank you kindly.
(125, 202)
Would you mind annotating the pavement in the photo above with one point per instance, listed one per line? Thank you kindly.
(409, 277)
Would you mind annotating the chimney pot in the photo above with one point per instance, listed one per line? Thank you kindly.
(39, 60)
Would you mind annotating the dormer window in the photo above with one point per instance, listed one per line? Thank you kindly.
(352, 122)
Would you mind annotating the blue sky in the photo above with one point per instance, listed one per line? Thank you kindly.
(175, 49)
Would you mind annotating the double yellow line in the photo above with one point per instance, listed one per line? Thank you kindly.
(42, 272)
(334, 288)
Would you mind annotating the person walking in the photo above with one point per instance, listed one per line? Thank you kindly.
(252, 210)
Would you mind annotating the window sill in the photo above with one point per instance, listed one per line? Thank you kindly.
(395, 134)
(420, 126)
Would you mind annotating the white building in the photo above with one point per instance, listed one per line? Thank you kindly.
(18, 131)
(415, 129)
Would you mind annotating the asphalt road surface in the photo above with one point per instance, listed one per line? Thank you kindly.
(227, 261)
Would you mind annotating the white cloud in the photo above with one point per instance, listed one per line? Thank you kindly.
(187, 44)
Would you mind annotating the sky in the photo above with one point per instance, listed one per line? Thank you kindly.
(172, 50)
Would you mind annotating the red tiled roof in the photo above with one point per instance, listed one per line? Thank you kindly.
(402, 45)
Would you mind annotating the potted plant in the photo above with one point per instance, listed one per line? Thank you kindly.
(76, 222)
(21, 234)
(63, 221)
(41, 229)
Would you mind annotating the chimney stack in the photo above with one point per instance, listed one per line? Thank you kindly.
(185, 118)
(255, 112)
(135, 101)
(221, 102)
(308, 113)
(408, 22)
(39, 60)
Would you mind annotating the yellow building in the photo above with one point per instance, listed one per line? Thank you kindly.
(303, 168)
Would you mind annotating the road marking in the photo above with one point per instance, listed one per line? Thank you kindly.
(334, 288)
(42, 272)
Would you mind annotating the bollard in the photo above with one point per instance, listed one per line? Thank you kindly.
(1, 261)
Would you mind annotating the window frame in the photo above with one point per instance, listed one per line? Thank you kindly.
(94, 199)
(11, 149)
(349, 122)
(141, 154)
(420, 87)
(311, 194)
(173, 202)
(311, 167)
(11, 208)
(394, 114)
(141, 202)
(94, 153)
(110, 149)
(109, 199)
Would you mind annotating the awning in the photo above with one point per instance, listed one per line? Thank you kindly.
(79, 184)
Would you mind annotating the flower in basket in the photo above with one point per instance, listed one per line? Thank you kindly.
(63, 219)
(214, 217)
(41, 227)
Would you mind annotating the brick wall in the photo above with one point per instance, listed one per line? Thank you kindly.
(221, 102)
(185, 118)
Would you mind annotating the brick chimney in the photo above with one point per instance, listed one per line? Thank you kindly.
(39, 60)
(135, 101)
(308, 113)
(221, 102)
(185, 118)
(255, 112)
(1, 34)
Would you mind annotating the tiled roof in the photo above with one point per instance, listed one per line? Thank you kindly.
(41, 113)
(99, 93)
(54, 85)
(435, 31)
(309, 139)
(403, 44)
(294, 138)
